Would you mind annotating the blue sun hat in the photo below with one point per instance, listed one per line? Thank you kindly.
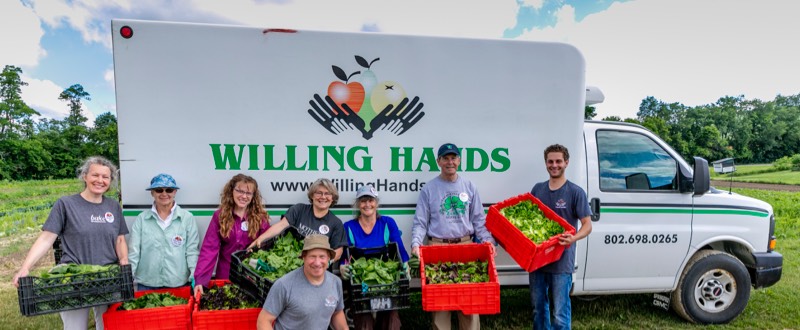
(163, 180)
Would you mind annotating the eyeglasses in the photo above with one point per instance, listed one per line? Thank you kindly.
(160, 190)
(320, 194)
(248, 194)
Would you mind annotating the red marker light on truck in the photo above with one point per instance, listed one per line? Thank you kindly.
(126, 32)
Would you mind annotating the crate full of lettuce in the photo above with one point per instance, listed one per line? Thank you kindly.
(166, 309)
(528, 230)
(378, 281)
(225, 306)
(460, 277)
(255, 271)
(72, 286)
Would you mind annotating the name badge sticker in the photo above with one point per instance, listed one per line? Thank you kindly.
(324, 229)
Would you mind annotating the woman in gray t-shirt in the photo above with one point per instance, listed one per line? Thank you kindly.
(92, 231)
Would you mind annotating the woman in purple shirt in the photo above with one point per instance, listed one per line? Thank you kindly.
(238, 221)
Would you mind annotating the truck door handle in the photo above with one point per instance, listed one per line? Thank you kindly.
(595, 206)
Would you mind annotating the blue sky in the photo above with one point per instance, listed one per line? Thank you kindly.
(689, 51)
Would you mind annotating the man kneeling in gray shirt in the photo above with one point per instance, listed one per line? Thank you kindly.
(309, 297)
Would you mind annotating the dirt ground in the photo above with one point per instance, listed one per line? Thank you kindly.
(725, 184)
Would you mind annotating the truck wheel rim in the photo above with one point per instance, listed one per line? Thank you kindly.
(715, 291)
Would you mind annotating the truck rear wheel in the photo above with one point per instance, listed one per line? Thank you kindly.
(713, 289)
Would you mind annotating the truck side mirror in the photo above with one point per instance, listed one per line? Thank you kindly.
(701, 177)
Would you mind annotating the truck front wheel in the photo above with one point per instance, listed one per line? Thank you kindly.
(713, 289)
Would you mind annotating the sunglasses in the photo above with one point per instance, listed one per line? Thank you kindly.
(160, 190)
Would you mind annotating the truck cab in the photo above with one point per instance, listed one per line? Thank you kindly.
(659, 227)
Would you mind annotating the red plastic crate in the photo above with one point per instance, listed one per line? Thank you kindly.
(470, 298)
(528, 255)
(171, 317)
(226, 319)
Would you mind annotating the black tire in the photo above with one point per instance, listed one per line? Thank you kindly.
(714, 288)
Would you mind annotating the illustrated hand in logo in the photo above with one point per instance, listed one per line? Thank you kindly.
(396, 120)
(332, 117)
(367, 106)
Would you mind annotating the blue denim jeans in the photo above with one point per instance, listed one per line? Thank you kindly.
(547, 287)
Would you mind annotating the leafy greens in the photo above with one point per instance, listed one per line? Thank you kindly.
(275, 262)
(457, 272)
(375, 271)
(225, 298)
(530, 220)
(152, 300)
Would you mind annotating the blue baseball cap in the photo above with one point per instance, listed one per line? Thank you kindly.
(163, 181)
(448, 148)
(366, 190)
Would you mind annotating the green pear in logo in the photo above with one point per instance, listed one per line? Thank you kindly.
(368, 80)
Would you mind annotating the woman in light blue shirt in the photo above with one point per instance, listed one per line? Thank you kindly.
(164, 240)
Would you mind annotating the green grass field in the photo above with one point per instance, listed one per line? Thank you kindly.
(771, 308)
(759, 173)
(742, 170)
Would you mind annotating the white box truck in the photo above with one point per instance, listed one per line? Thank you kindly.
(205, 102)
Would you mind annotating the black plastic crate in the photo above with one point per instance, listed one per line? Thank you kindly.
(57, 253)
(57, 294)
(248, 280)
(378, 297)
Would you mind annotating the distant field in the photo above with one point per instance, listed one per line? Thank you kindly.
(742, 170)
(759, 173)
(26, 204)
(782, 177)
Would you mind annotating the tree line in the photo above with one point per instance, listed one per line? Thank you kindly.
(752, 131)
(34, 148)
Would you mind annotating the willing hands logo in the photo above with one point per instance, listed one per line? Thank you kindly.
(366, 106)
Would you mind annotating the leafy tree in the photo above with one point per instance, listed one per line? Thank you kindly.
(103, 139)
(612, 118)
(24, 160)
(589, 112)
(74, 130)
(15, 115)
(64, 154)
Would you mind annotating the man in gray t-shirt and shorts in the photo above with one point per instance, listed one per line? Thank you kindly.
(309, 297)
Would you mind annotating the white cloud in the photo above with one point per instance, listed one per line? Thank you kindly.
(42, 96)
(83, 16)
(536, 4)
(20, 32)
(688, 51)
(108, 76)
(484, 19)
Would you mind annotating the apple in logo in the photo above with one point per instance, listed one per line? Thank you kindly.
(342, 93)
